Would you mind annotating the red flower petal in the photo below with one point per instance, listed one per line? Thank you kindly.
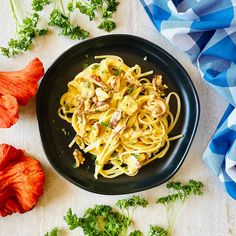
(22, 84)
(21, 181)
(8, 111)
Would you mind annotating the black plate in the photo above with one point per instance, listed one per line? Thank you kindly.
(56, 134)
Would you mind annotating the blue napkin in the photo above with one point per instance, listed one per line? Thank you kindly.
(206, 31)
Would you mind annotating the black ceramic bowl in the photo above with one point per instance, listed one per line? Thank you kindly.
(56, 134)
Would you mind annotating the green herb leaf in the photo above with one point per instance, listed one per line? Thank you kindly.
(132, 202)
(104, 124)
(107, 25)
(115, 71)
(60, 20)
(136, 233)
(102, 220)
(72, 220)
(85, 65)
(157, 231)
(94, 67)
(27, 31)
(87, 9)
(38, 5)
(53, 232)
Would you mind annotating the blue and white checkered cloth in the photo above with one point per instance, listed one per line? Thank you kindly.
(206, 31)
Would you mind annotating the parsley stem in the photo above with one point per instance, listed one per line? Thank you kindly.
(62, 7)
(176, 216)
(14, 13)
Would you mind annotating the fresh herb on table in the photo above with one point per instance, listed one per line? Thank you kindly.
(107, 25)
(61, 19)
(38, 5)
(129, 205)
(136, 233)
(106, 8)
(26, 29)
(54, 232)
(157, 231)
(106, 221)
(180, 193)
(100, 220)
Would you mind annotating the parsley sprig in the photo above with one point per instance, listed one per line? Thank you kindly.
(105, 8)
(177, 198)
(26, 28)
(104, 220)
(38, 5)
(100, 220)
(60, 19)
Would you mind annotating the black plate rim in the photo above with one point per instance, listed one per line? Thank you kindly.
(147, 42)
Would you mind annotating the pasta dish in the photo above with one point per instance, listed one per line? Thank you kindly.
(120, 117)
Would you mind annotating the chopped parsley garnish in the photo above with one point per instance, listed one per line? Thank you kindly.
(115, 71)
(85, 65)
(131, 89)
(104, 124)
(89, 85)
(94, 67)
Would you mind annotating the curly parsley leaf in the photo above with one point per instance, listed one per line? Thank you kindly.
(87, 9)
(106, 8)
(157, 231)
(27, 31)
(133, 202)
(136, 233)
(54, 232)
(38, 5)
(100, 220)
(179, 195)
(60, 20)
(107, 25)
(71, 219)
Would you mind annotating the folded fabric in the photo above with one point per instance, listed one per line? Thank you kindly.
(206, 31)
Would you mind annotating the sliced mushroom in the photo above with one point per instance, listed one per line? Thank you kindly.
(80, 106)
(102, 106)
(96, 80)
(116, 82)
(87, 104)
(156, 107)
(79, 159)
(97, 129)
(157, 84)
(133, 165)
(115, 119)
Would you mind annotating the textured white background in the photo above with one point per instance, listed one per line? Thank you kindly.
(214, 214)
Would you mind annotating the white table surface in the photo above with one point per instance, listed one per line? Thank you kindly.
(214, 214)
